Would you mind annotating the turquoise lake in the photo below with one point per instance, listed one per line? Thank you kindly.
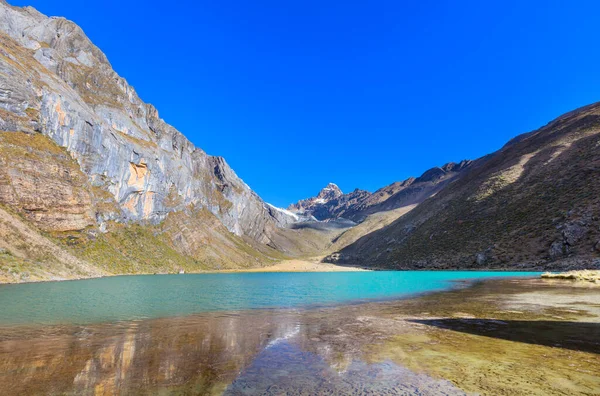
(153, 296)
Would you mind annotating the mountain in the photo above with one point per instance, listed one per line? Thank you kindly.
(535, 203)
(84, 159)
(93, 182)
(411, 191)
(357, 205)
(329, 204)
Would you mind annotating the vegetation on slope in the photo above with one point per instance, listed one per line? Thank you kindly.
(48, 228)
(534, 203)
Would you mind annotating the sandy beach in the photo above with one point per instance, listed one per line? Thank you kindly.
(297, 265)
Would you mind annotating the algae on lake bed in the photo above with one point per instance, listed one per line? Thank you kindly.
(504, 337)
(582, 275)
(527, 336)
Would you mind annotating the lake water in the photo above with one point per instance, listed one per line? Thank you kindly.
(296, 334)
(125, 298)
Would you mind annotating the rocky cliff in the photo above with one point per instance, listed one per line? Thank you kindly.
(533, 204)
(82, 152)
(94, 182)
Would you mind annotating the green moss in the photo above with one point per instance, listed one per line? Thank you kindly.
(32, 113)
(17, 269)
(129, 249)
(35, 145)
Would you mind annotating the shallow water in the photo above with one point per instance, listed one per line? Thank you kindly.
(260, 352)
(397, 347)
(154, 296)
(284, 368)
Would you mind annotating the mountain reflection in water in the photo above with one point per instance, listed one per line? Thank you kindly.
(259, 352)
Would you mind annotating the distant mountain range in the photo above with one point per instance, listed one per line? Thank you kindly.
(331, 203)
(94, 182)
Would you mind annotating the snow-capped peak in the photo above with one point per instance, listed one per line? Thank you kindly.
(331, 191)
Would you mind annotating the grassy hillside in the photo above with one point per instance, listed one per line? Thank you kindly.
(535, 202)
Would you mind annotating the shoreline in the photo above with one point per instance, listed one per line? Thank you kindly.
(296, 265)
(592, 276)
(291, 266)
(314, 264)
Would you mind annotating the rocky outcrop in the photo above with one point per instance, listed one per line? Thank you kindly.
(327, 194)
(55, 82)
(39, 178)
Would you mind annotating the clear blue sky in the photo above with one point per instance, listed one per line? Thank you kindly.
(295, 94)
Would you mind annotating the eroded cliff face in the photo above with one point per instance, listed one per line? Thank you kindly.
(55, 82)
(39, 178)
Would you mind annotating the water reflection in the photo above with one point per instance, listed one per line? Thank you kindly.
(500, 337)
(260, 352)
(287, 369)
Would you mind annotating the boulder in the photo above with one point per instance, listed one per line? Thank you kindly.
(573, 232)
(557, 250)
(480, 258)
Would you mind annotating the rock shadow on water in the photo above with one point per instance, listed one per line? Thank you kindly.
(577, 336)
(284, 369)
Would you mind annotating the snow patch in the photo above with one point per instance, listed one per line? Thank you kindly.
(285, 211)
(331, 186)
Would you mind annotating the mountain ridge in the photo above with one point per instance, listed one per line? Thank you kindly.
(532, 204)
(359, 204)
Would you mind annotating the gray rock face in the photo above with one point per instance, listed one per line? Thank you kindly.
(572, 232)
(481, 258)
(54, 81)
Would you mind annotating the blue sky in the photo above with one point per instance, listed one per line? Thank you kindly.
(361, 93)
